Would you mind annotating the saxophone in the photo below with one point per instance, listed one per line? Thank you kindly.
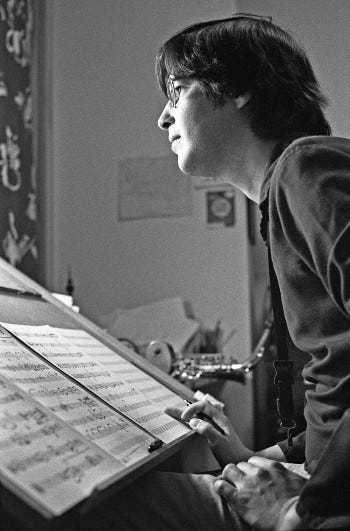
(193, 367)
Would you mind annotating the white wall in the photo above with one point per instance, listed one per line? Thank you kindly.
(322, 26)
(105, 104)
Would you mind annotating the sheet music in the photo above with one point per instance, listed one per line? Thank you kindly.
(93, 419)
(49, 464)
(150, 387)
(124, 396)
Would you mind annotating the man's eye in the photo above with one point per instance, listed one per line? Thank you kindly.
(174, 92)
(177, 92)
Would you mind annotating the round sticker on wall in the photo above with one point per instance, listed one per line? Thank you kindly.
(220, 207)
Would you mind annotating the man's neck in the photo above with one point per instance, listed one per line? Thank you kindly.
(254, 163)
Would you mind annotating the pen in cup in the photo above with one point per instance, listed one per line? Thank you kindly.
(203, 416)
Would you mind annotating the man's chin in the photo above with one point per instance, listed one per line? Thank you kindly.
(188, 169)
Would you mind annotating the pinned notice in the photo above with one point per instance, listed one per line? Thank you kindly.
(151, 187)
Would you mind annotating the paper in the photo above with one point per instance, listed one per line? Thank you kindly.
(51, 465)
(150, 387)
(152, 187)
(111, 387)
(90, 417)
(163, 320)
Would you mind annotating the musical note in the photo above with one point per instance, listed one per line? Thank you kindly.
(136, 381)
(155, 391)
(84, 412)
(98, 379)
(65, 465)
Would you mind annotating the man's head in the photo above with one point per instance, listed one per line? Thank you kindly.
(248, 56)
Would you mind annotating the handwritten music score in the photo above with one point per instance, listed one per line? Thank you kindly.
(42, 459)
(90, 417)
(150, 387)
(77, 417)
(126, 395)
(74, 415)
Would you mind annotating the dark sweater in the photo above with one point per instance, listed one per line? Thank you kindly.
(309, 212)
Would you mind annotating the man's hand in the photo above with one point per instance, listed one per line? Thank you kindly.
(226, 448)
(258, 490)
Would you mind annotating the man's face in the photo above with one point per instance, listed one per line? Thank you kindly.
(204, 137)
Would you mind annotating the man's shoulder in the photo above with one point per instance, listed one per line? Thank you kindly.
(309, 166)
(311, 145)
(308, 159)
(305, 162)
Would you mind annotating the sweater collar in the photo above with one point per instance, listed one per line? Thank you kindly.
(265, 187)
(276, 153)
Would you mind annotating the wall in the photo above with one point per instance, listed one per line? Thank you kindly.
(322, 26)
(105, 104)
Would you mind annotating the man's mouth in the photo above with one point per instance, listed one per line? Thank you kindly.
(174, 142)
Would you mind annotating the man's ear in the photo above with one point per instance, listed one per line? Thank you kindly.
(242, 100)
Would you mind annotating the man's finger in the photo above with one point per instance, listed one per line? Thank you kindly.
(232, 473)
(206, 429)
(199, 407)
(251, 470)
(267, 464)
(225, 489)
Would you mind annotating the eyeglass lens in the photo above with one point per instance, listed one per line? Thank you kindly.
(173, 96)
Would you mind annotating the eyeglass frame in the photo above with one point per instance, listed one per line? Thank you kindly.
(171, 89)
(171, 93)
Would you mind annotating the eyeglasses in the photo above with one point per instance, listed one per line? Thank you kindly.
(172, 92)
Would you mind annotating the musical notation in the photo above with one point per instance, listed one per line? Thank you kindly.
(45, 458)
(75, 417)
(68, 423)
(155, 391)
(124, 395)
(70, 403)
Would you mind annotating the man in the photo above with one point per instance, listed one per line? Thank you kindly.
(245, 107)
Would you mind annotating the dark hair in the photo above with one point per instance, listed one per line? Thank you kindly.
(248, 54)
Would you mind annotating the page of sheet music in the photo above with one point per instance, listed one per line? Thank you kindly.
(91, 417)
(150, 387)
(42, 459)
(113, 389)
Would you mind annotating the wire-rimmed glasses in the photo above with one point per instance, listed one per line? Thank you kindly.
(172, 92)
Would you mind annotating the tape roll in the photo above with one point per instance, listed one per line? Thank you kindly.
(160, 354)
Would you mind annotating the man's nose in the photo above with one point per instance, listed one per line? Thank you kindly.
(166, 118)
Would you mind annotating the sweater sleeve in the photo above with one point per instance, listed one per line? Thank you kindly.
(324, 502)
